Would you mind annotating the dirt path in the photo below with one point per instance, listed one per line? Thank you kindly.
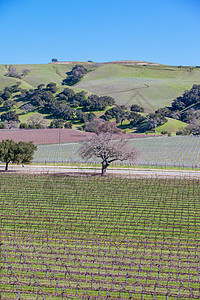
(126, 172)
(129, 90)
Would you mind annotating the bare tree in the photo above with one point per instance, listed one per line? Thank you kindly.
(36, 120)
(101, 126)
(109, 149)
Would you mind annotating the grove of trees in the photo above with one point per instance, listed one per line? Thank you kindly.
(81, 108)
(75, 75)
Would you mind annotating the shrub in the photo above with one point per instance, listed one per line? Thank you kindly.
(56, 124)
(137, 108)
(68, 125)
(2, 126)
(23, 126)
(179, 132)
(164, 132)
(27, 107)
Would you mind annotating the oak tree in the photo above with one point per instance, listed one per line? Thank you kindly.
(108, 148)
(19, 153)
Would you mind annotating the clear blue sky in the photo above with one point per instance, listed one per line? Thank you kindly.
(35, 31)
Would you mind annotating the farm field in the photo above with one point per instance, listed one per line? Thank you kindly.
(44, 136)
(177, 151)
(96, 238)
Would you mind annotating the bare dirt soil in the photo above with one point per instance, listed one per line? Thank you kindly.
(45, 136)
(54, 135)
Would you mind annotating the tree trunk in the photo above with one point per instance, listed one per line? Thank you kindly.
(104, 168)
(6, 166)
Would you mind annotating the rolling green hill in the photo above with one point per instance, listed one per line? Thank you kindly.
(149, 85)
(172, 126)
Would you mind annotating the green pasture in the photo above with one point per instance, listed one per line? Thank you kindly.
(80, 237)
(149, 86)
(171, 126)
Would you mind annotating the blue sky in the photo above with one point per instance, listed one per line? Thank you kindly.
(35, 31)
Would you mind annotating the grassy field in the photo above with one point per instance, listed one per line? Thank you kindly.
(150, 86)
(176, 151)
(91, 237)
(171, 126)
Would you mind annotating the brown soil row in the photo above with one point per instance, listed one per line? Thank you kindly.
(44, 136)
(52, 135)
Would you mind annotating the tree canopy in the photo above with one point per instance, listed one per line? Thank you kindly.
(75, 75)
(10, 116)
(19, 153)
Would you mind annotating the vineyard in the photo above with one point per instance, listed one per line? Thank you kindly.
(70, 237)
(174, 151)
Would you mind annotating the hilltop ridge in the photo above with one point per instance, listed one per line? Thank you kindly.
(118, 62)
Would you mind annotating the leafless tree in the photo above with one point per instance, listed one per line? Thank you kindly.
(109, 149)
(36, 119)
(11, 124)
(101, 126)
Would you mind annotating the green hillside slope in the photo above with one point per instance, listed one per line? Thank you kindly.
(150, 86)
(172, 126)
(38, 74)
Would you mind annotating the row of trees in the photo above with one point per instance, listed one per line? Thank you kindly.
(119, 113)
(75, 75)
(70, 106)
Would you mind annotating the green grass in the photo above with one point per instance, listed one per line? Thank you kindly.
(171, 126)
(39, 74)
(24, 117)
(150, 86)
(120, 232)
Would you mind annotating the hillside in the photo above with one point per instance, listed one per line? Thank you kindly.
(151, 86)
